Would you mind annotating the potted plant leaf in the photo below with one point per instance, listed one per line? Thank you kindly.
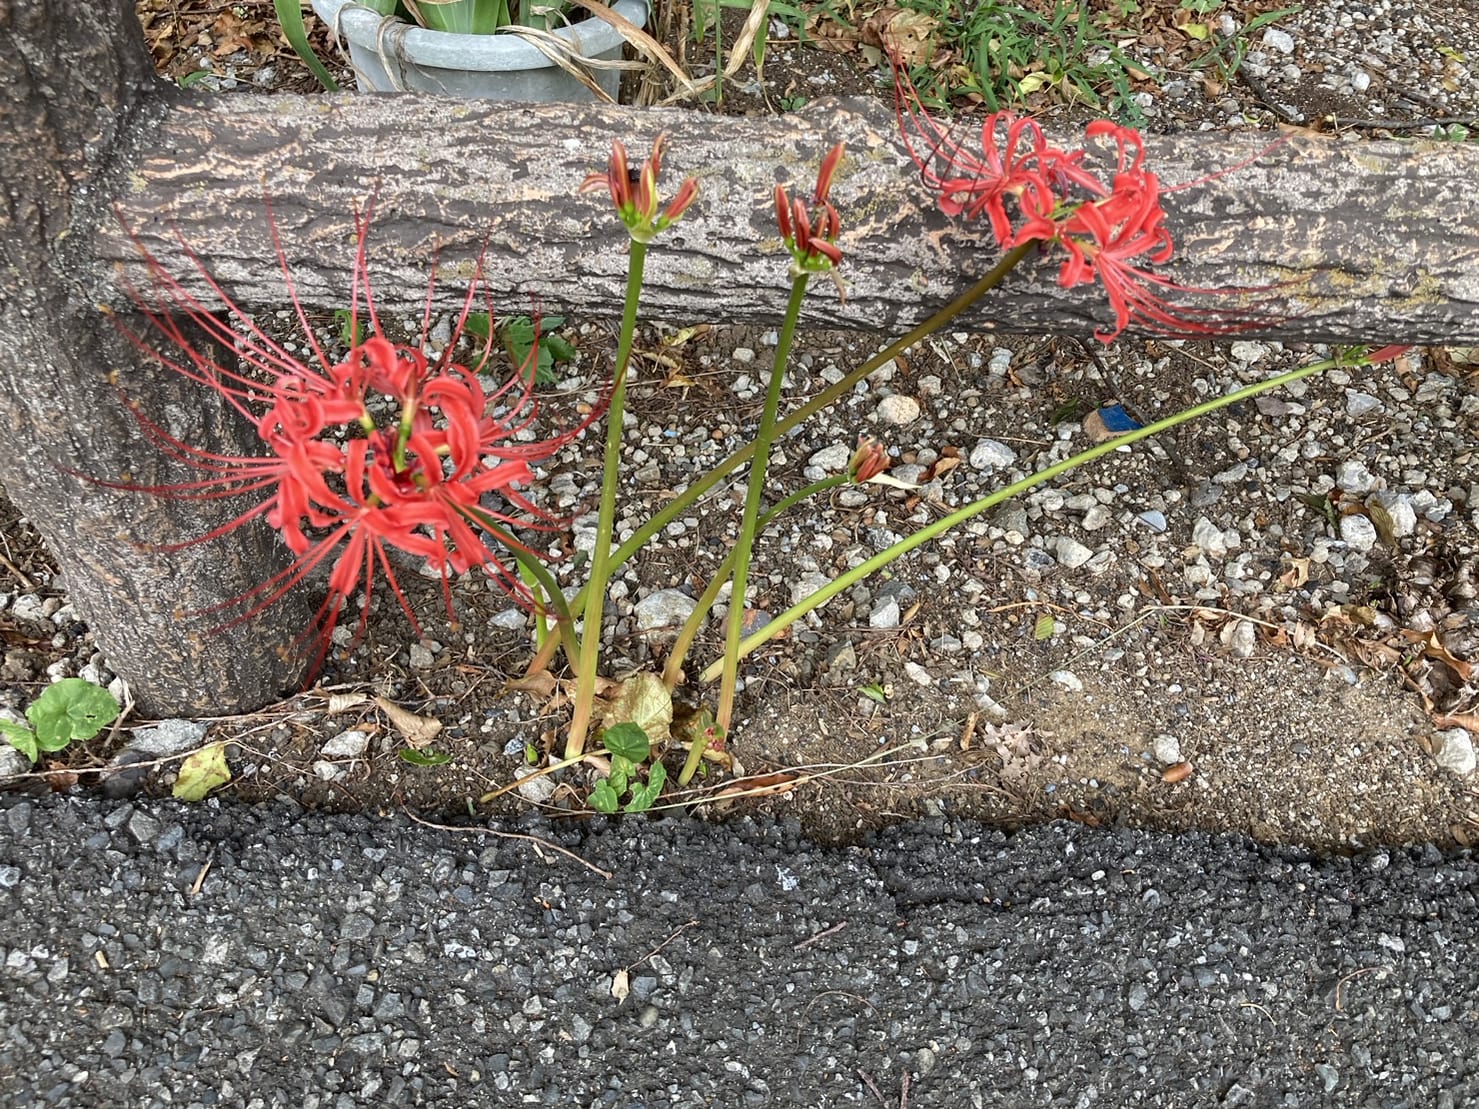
(530, 50)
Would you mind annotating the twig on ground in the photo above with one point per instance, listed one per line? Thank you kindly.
(536, 840)
(676, 933)
(819, 936)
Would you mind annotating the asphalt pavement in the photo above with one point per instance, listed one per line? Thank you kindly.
(159, 954)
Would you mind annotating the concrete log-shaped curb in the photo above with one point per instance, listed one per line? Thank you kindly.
(1358, 241)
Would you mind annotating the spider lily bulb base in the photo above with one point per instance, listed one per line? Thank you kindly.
(384, 448)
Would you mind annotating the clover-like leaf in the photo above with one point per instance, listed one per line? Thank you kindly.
(644, 796)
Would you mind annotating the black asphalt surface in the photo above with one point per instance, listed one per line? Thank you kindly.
(155, 954)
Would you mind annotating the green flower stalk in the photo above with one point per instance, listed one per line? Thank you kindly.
(810, 235)
(975, 508)
(635, 199)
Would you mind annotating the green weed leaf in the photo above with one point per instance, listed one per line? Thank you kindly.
(627, 741)
(22, 739)
(603, 798)
(423, 758)
(70, 709)
(644, 796)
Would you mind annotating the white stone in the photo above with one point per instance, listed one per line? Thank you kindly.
(885, 614)
(168, 737)
(1067, 679)
(1275, 39)
(1096, 518)
(898, 410)
(667, 608)
(346, 745)
(1240, 638)
(512, 619)
(1358, 404)
(1209, 537)
(1354, 477)
(831, 459)
(1454, 750)
(990, 454)
(808, 584)
(1166, 748)
(1248, 351)
(536, 790)
(918, 674)
(1358, 532)
(1070, 552)
(420, 657)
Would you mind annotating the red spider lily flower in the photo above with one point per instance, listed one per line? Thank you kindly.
(1032, 191)
(383, 449)
(868, 461)
(810, 233)
(635, 194)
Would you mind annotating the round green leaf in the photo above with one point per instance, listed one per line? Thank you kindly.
(71, 709)
(627, 740)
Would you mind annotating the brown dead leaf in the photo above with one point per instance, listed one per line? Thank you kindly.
(1297, 574)
(343, 702)
(418, 731)
(906, 34)
(1433, 648)
(232, 33)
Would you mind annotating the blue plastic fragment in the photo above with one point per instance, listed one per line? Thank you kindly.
(1109, 422)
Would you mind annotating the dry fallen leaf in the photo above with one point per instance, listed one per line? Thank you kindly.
(343, 702)
(418, 731)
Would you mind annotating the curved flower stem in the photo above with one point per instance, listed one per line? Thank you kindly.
(744, 544)
(536, 569)
(602, 564)
(673, 672)
(684, 500)
(564, 622)
(939, 527)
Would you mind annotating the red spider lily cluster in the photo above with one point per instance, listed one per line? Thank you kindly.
(386, 448)
(810, 232)
(1109, 223)
(635, 193)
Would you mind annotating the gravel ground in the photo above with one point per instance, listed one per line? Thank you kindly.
(1266, 623)
(161, 955)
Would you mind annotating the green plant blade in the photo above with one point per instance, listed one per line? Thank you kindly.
(290, 19)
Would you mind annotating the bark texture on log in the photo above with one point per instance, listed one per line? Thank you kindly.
(1362, 241)
(74, 80)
